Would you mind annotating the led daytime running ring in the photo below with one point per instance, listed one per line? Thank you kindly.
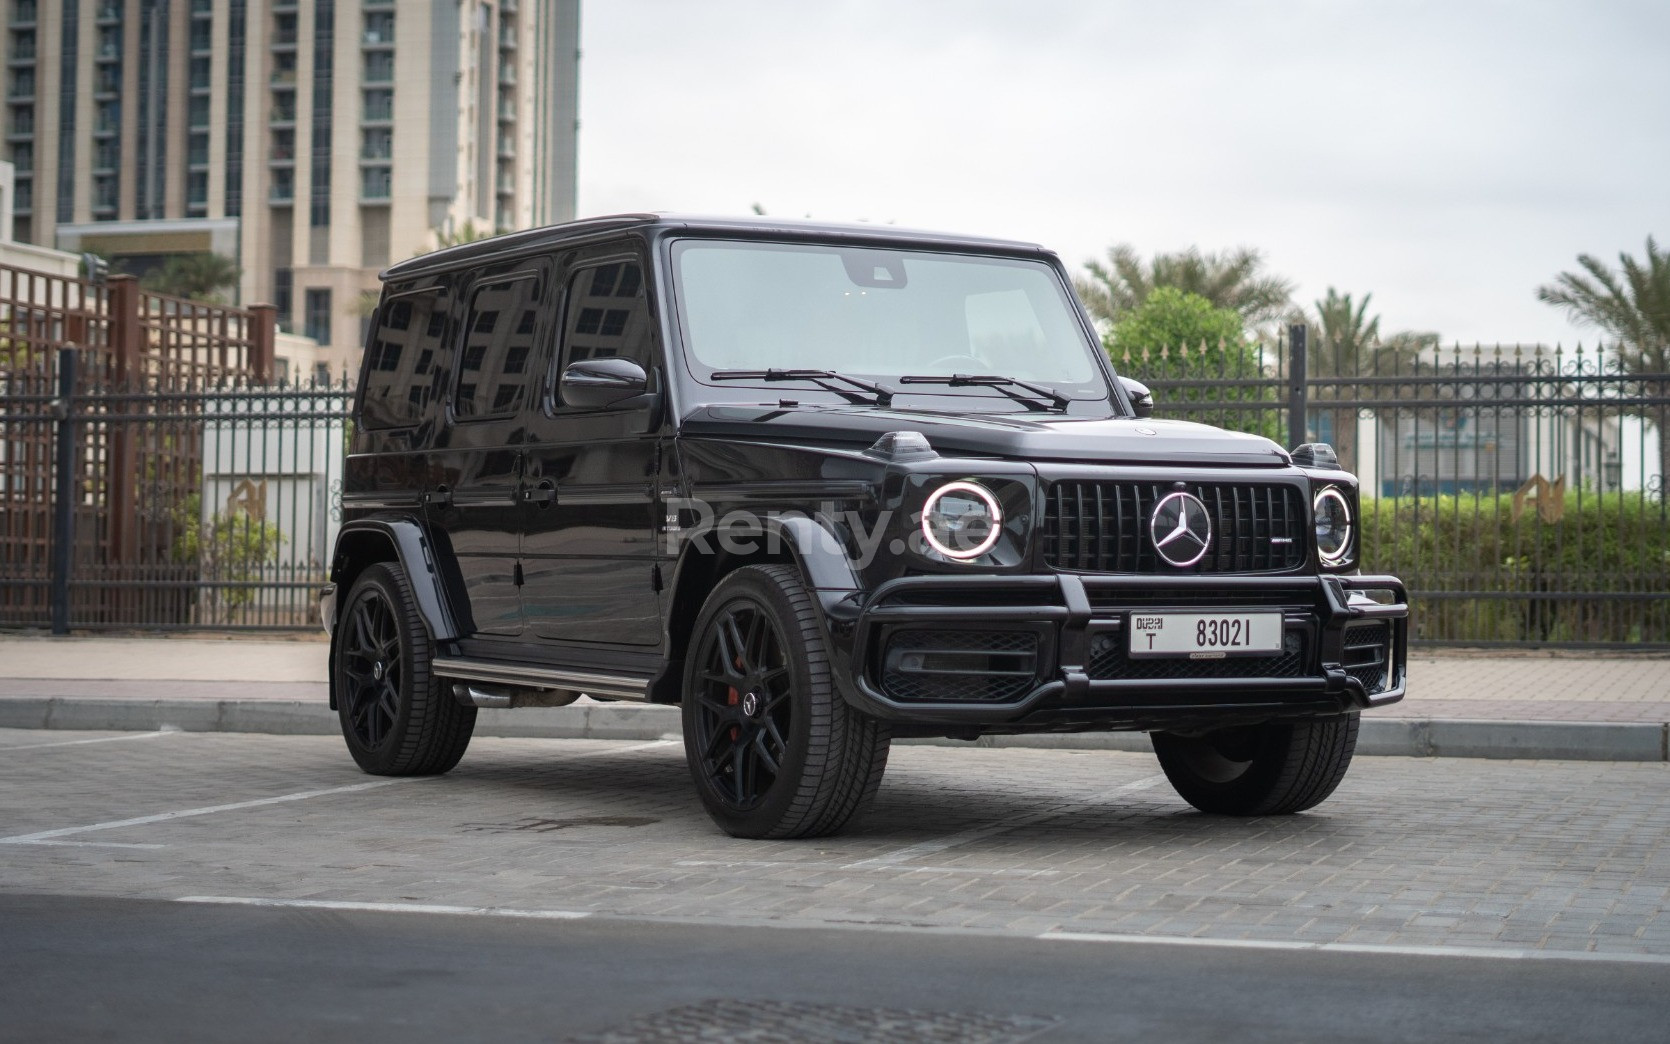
(992, 508)
(1343, 554)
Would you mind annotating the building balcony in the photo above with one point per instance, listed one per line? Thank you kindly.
(23, 13)
(108, 13)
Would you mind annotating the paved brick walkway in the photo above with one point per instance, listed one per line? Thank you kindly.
(1555, 856)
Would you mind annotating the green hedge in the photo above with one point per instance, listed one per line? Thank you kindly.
(1602, 543)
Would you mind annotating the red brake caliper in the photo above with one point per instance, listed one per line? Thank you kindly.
(732, 698)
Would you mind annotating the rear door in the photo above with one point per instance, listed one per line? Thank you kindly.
(589, 551)
(478, 504)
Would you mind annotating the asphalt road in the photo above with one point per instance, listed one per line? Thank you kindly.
(76, 968)
(226, 886)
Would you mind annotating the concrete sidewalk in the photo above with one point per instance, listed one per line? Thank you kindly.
(1533, 704)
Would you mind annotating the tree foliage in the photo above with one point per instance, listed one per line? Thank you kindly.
(1348, 343)
(1631, 304)
(1235, 280)
(199, 277)
(1176, 335)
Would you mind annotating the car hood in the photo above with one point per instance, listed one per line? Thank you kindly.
(1037, 437)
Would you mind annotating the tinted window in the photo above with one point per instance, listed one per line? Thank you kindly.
(498, 339)
(400, 360)
(608, 314)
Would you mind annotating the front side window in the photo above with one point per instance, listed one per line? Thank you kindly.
(607, 314)
(881, 314)
(493, 371)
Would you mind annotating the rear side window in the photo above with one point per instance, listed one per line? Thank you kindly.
(495, 362)
(402, 360)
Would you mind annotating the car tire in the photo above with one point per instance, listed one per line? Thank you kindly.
(1274, 768)
(773, 748)
(397, 717)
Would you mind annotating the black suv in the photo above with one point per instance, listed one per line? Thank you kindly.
(824, 486)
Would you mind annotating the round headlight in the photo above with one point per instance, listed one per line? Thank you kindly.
(1333, 526)
(961, 520)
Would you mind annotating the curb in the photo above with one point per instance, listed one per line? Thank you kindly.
(1397, 737)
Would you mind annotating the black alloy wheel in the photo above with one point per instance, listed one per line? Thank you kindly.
(397, 717)
(773, 748)
(371, 669)
(743, 708)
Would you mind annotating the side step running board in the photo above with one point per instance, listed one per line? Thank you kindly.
(613, 686)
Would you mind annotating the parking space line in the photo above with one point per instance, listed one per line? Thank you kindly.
(85, 844)
(890, 860)
(161, 817)
(99, 739)
(206, 810)
(419, 908)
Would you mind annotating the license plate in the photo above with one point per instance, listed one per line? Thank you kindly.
(1205, 636)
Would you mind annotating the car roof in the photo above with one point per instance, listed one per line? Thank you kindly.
(653, 223)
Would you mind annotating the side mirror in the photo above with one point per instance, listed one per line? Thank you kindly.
(1142, 400)
(595, 384)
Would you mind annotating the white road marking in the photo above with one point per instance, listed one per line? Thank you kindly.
(909, 852)
(802, 924)
(160, 817)
(419, 908)
(1373, 949)
(206, 810)
(100, 739)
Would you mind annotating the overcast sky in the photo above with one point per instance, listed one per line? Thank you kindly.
(1447, 157)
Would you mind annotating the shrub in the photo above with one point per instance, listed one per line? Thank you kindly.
(1448, 547)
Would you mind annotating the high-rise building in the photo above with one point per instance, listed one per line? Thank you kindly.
(312, 141)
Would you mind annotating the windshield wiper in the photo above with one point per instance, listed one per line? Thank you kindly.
(824, 378)
(1007, 385)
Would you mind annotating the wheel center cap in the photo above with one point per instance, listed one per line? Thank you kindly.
(378, 670)
(751, 704)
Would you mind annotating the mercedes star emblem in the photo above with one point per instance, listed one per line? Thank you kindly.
(1181, 529)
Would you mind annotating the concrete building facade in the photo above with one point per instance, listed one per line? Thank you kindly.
(312, 141)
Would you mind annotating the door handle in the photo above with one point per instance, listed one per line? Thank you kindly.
(440, 496)
(544, 493)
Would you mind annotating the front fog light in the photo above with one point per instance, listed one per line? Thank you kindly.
(961, 520)
(1333, 526)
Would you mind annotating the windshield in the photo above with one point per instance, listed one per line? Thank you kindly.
(881, 314)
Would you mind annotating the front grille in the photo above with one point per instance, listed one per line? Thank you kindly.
(1103, 527)
(1109, 659)
(1367, 654)
(944, 666)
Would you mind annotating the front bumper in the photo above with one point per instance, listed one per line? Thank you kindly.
(1072, 673)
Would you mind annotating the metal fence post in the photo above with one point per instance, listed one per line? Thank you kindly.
(63, 493)
(1297, 429)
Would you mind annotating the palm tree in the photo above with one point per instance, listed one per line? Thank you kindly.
(1632, 305)
(1348, 344)
(1235, 280)
(200, 277)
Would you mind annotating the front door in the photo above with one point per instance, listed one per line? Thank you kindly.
(589, 552)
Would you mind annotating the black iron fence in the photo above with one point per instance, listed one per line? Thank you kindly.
(1518, 491)
(210, 506)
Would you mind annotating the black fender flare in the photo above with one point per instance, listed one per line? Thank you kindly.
(368, 540)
